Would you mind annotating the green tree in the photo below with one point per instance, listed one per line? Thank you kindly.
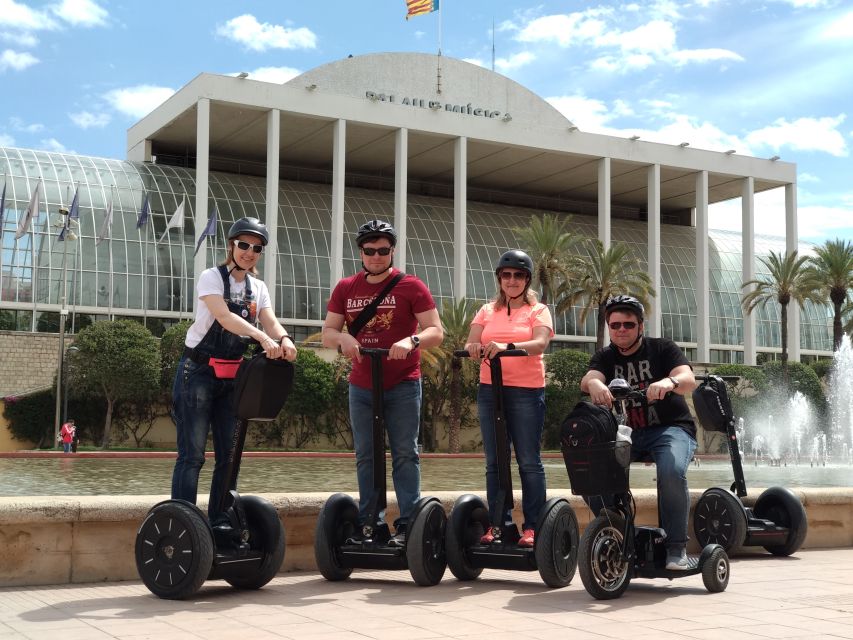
(788, 279)
(598, 275)
(310, 398)
(565, 369)
(27, 415)
(171, 350)
(833, 262)
(118, 361)
(548, 242)
(797, 377)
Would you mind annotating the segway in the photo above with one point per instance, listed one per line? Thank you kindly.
(176, 547)
(778, 519)
(554, 552)
(613, 550)
(338, 547)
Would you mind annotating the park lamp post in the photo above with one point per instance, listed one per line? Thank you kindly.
(63, 313)
(65, 372)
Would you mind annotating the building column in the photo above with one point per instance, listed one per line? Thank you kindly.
(339, 149)
(401, 188)
(604, 202)
(202, 174)
(460, 213)
(703, 325)
(653, 320)
(792, 244)
(271, 258)
(748, 264)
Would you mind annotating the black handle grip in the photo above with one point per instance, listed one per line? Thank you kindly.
(509, 353)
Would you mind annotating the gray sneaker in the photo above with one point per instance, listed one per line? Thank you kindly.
(676, 559)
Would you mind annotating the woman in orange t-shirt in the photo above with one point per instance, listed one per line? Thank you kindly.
(514, 320)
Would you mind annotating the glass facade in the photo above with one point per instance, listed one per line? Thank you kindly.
(136, 272)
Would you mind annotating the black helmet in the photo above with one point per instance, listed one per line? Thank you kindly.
(376, 229)
(252, 226)
(515, 259)
(624, 303)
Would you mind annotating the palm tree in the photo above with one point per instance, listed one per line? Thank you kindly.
(456, 319)
(788, 278)
(834, 265)
(548, 242)
(599, 275)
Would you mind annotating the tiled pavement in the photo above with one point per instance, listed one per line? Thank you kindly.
(809, 596)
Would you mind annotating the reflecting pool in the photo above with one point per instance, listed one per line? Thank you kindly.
(70, 475)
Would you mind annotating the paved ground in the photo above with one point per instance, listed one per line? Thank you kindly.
(806, 596)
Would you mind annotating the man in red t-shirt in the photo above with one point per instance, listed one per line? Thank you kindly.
(405, 321)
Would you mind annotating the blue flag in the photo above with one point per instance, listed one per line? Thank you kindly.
(209, 230)
(142, 220)
(73, 214)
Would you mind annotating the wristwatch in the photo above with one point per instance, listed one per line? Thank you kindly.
(416, 342)
(675, 382)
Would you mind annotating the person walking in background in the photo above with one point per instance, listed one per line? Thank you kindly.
(67, 434)
(514, 319)
(231, 299)
(404, 321)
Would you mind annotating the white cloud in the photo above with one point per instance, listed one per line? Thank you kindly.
(6, 140)
(841, 28)
(514, 61)
(807, 177)
(803, 134)
(81, 13)
(21, 39)
(588, 114)
(52, 144)
(475, 61)
(19, 16)
(278, 75)
(17, 61)
(253, 35)
(565, 30)
(688, 56)
(20, 125)
(138, 101)
(87, 120)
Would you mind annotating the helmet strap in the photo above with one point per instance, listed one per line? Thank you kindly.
(630, 346)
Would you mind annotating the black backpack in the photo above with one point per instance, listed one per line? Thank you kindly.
(588, 424)
(261, 388)
(712, 404)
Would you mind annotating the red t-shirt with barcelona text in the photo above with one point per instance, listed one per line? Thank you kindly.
(394, 320)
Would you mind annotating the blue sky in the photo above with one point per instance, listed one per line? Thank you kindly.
(763, 77)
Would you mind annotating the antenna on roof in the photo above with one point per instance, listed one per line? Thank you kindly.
(493, 43)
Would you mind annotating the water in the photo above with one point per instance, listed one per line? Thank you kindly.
(69, 475)
(840, 398)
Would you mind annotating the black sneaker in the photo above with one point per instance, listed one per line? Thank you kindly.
(399, 538)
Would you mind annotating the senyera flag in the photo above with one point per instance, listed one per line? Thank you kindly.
(420, 7)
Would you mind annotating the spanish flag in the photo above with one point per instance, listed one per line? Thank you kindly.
(420, 7)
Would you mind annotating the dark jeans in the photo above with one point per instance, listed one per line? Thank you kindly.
(201, 403)
(524, 411)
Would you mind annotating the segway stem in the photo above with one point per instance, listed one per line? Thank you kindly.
(379, 502)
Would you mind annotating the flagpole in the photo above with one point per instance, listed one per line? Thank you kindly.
(110, 212)
(438, 69)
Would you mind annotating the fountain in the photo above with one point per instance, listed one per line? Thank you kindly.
(840, 398)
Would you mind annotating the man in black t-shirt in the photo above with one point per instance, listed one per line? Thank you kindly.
(662, 426)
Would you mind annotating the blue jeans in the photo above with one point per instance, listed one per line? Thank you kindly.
(201, 402)
(671, 449)
(402, 423)
(524, 410)
(66, 447)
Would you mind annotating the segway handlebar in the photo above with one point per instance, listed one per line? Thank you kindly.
(509, 353)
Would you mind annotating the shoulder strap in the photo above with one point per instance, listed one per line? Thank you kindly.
(370, 310)
(223, 271)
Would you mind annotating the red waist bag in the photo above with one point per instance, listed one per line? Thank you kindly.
(225, 369)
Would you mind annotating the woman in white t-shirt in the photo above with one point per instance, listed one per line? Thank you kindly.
(231, 301)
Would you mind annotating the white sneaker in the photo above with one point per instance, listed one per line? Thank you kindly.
(676, 559)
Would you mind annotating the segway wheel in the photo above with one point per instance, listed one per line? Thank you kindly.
(469, 520)
(266, 535)
(425, 551)
(715, 569)
(556, 549)
(783, 508)
(174, 550)
(604, 571)
(338, 520)
(719, 518)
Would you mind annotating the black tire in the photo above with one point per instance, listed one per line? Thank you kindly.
(425, 551)
(468, 521)
(266, 535)
(716, 570)
(604, 572)
(782, 507)
(174, 550)
(556, 549)
(337, 521)
(719, 518)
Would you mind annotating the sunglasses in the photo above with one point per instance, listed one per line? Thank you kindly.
(618, 325)
(370, 251)
(245, 246)
(513, 275)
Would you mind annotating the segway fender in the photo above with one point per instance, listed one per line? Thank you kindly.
(546, 509)
(423, 502)
(186, 503)
(465, 505)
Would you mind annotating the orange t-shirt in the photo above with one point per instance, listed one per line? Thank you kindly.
(516, 327)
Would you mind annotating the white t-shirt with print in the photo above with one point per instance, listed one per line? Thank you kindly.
(210, 283)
